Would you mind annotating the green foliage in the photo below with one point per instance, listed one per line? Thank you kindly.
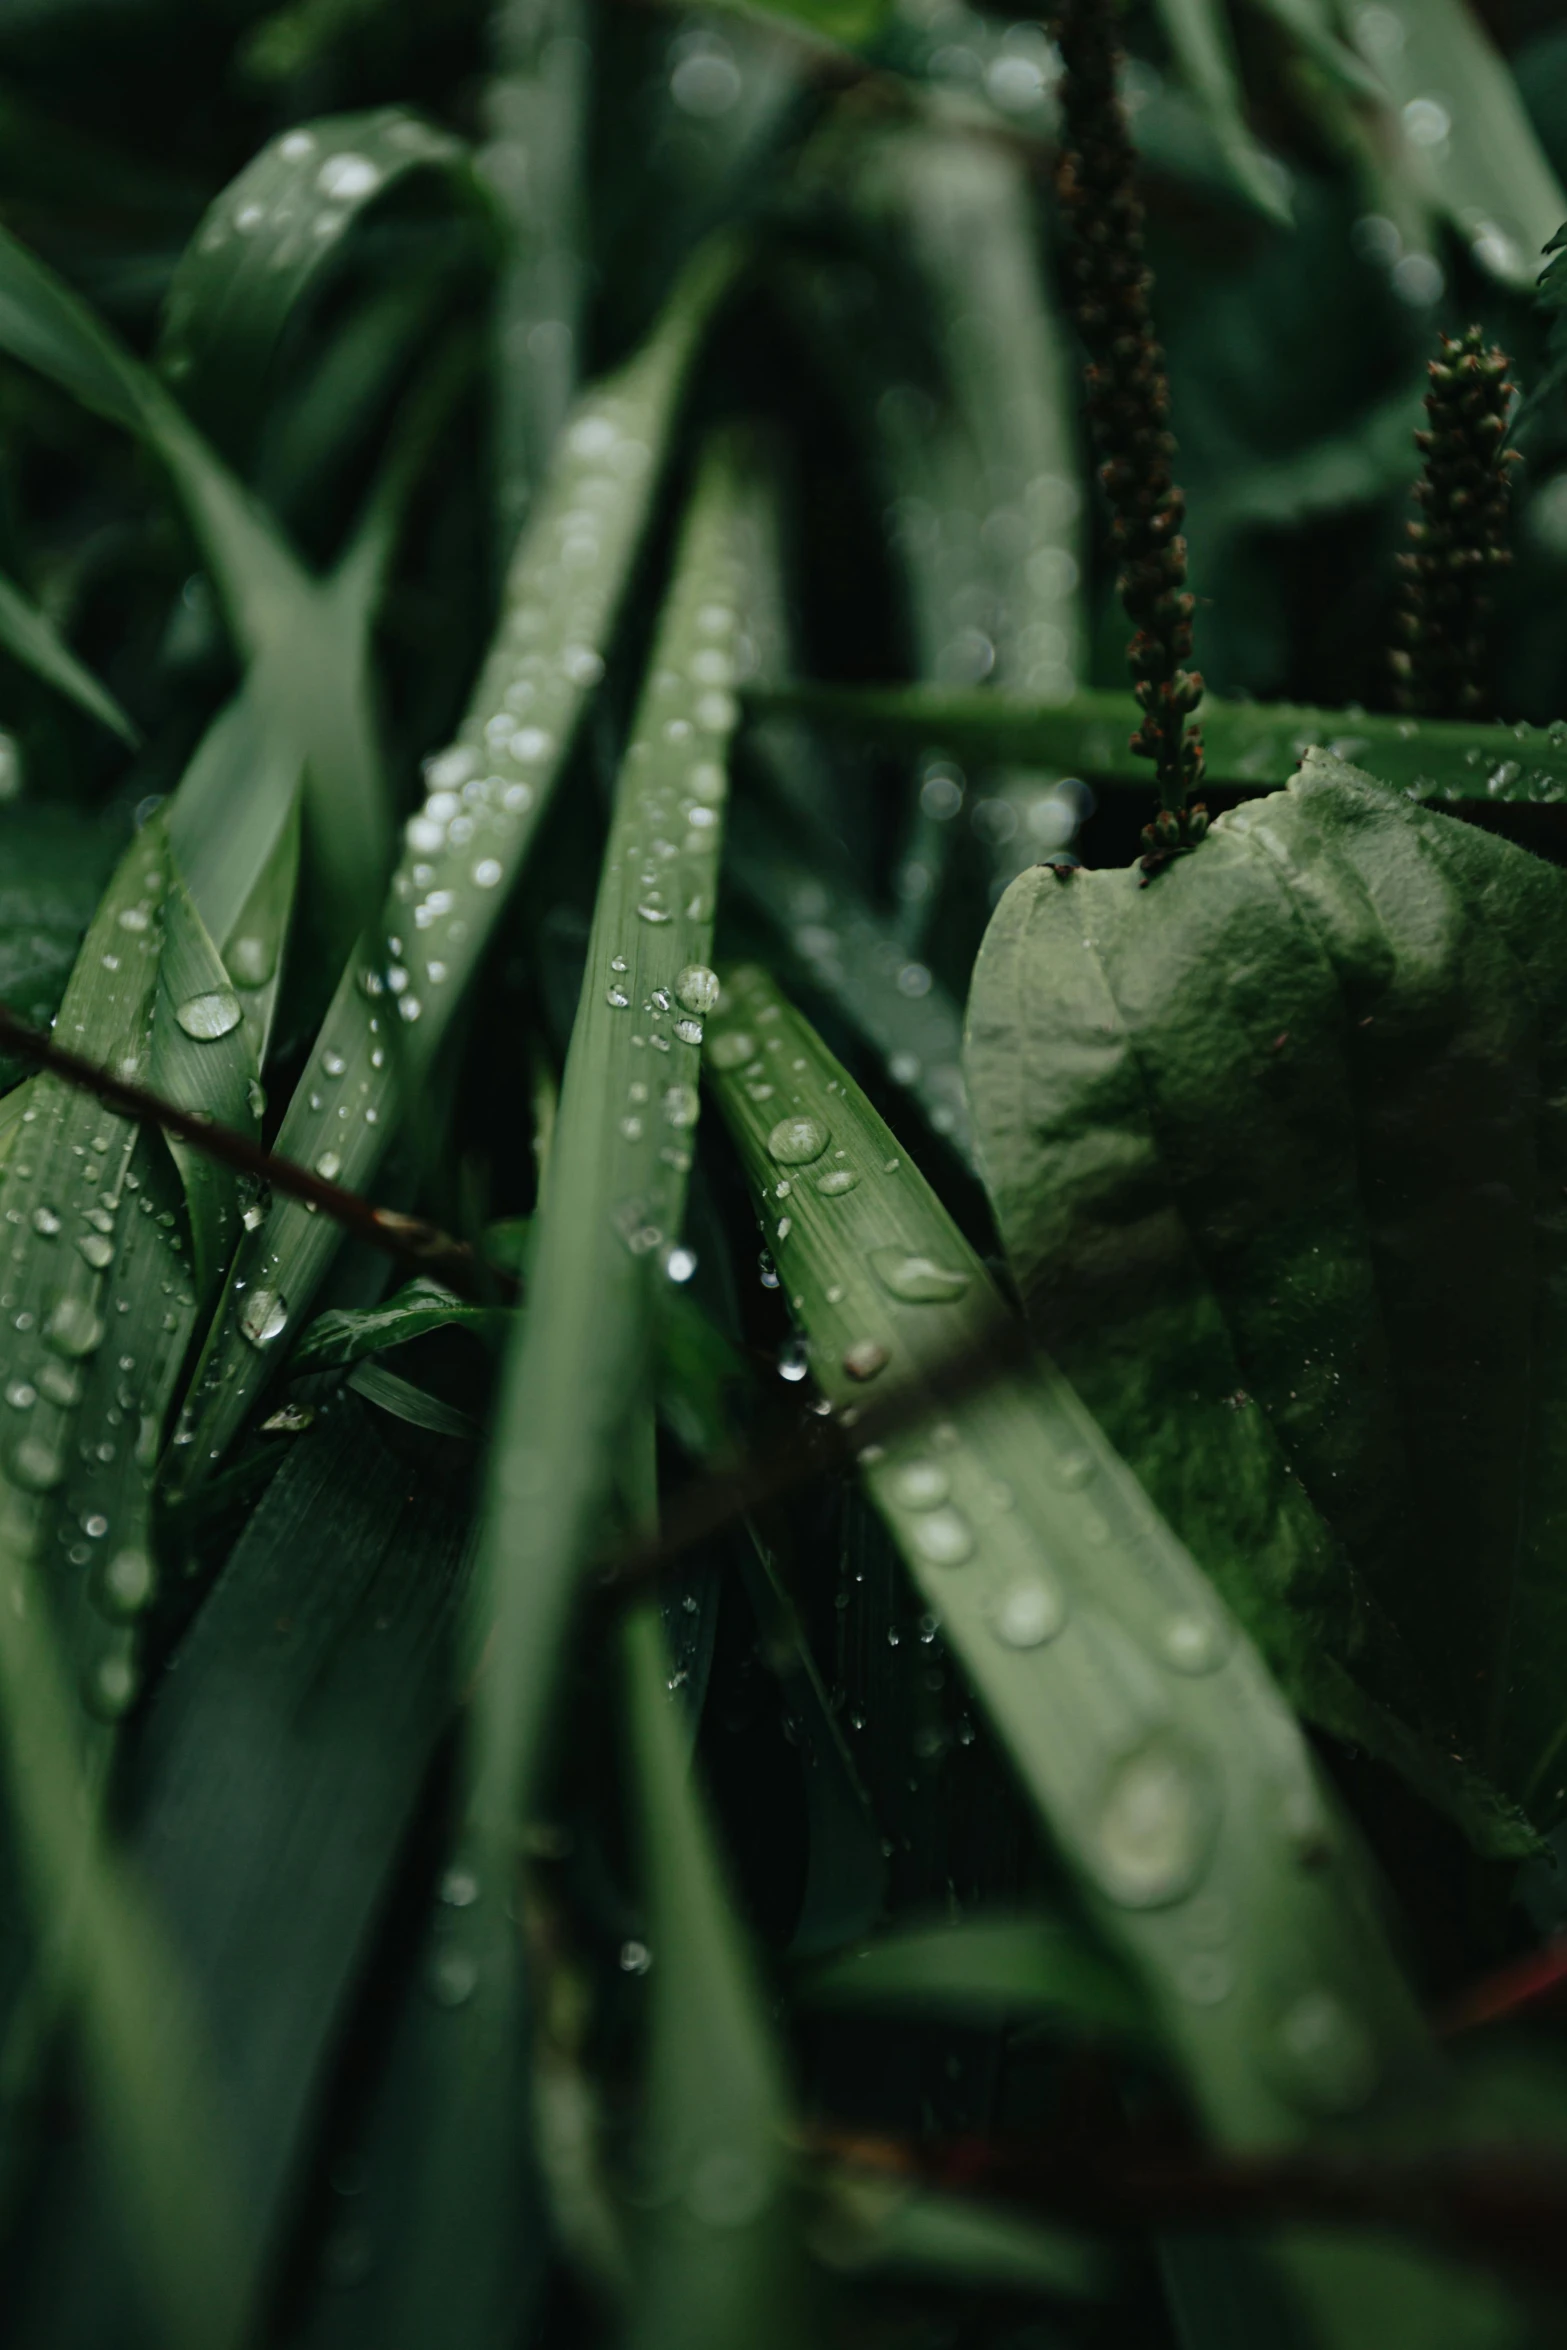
(889, 1731)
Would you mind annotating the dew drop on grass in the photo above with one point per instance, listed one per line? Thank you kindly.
(252, 960)
(98, 1250)
(111, 1686)
(697, 987)
(680, 1264)
(682, 1105)
(1152, 1835)
(36, 1465)
(767, 1270)
(1193, 1644)
(73, 1328)
(920, 1485)
(944, 1536)
(21, 1395)
(207, 1017)
(123, 1585)
(46, 1222)
(1028, 1614)
(333, 1064)
(1323, 2054)
(793, 1361)
(616, 998)
(916, 1279)
(865, 1357)
(732, 1049)
(635, 1958)
(329, 1165)
(453, 1978)
(795, 1142)
(59, 1385)
(647, 912)
(836, 1182)
(263, 1317)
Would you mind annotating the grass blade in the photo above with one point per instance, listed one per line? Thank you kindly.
(31, 638)
(467, 845)
(984, 1968)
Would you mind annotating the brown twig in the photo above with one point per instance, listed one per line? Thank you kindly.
(424, 1247)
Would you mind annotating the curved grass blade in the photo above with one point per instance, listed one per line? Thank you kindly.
(486, 797)
(618, 1165)
(1199, 36)
(1107, 1663)
(275, 233)
(536, 109)
(985, 1967)
(31, 638)
(868, 2225)
(718, 2258)
(1255, 745)
(1466, 135)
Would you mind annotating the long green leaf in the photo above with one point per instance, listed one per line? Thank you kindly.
(32, 638)
(617, 1178)
(1199, 35)
(1249, 744)
(984, 1967)
(464, 850)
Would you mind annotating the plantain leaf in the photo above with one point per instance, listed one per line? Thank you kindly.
(468, 843)
(1273, 1145)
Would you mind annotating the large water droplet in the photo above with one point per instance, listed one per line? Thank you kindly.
(46, 1222)
(920, 1485)
(98, 1251)
(60, 1384)
(1155, 1825)
(263, 1317)
(698, 988)
(207, 1017)
(794, 1142)
(1028, 1613)
(793, 1361)
(916, 1279)
(689, 1031)
(73, 1328)
(732, 1049)
(837, 1181)
(944, 1536)
(37, 1465)
(124, 1583)
(865, 1358)
(329, 1165)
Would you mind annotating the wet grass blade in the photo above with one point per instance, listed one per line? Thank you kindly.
(984, 1968)
(1252, 745)
(1134, 1711)
(869, 2225)
(719, 2258)
(617, 1177)
(464, 850)
(30, 637)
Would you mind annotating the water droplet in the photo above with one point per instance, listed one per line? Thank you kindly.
(865, 1358)
(133, 918)
(916, 1279)
(689, 1031)
(1073, 1469)
(252, 960)
(682, 1105)
(635, 1958)
(110, 1688)
(944, 1536)
(487, 872)
(920, 1485)
(253, 1216)
(329, 1165)
(698, 988)
(794, 1142)
(333, 1064)
(98, 1251)
(651, 913)
(459, 1888)
(45, 1221)
(616, 998)
(1324, 2055)
(73, 1328)
(1194, 1643)
(207, 1017)
(60, 1384)
(784, 1227)
(36, 1465)
(263, 1317)
(680, 1264)
(453, 1978)
(793, 1361)
(124, 1583)
(348, 176)
(732, 1049)
(21, 1395)
(1155, 1826)
(768, 1271)
(1028, 1614)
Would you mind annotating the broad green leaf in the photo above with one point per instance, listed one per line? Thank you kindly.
(984, 1967)
(467, 845)
(619, 1161)
(1199, 36)
(1162, 1761)
(718, 2257)
(32, 638)
(1272, 1144)
(1465, 130)
(1134, 1708)
(1246, 743)
(274, 234)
